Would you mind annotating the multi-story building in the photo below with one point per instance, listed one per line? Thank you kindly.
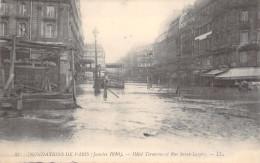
(207, 39)
(138, 63)
(226, 34)
(173, 41)
(161, 56)
(144, 56)
(90, 55)
(186, 43)
(212, 35)
(43, 23)
(167, 52)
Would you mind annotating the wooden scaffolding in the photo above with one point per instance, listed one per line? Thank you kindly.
(48, 49)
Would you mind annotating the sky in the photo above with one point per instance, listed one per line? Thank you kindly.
(125, 23)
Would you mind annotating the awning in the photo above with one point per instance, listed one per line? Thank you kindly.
(212, 73)
(196, 72)
(240, 73)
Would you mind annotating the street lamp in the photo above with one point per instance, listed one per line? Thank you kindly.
(96, 82)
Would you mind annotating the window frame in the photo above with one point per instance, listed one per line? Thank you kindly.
(258, 57)
(258, 37)
(246, 41)
(5, 10)
(23, 33)
(208, 62)
(48, 32)
(23, 9)
(243, 57)
(50, 13)
(244, 16)
(4, 28)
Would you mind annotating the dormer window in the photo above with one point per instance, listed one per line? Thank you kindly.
(23, 10)
(50, 11)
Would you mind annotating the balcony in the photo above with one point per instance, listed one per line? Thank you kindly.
(4, 14)
(241, 3)
(244, 25)
(22, 16)
(49, 18)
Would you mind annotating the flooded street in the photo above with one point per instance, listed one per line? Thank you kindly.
(140, 119)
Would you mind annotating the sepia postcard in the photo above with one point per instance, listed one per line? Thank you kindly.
(173, 81)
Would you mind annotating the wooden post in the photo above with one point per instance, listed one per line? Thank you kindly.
(13, 58)
(11, 69)
(59, 72)
(73, 75)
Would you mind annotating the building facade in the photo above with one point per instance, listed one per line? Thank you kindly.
(138, 63)
(43, 22)
(89, 50)
(210, 35)
(226, 34)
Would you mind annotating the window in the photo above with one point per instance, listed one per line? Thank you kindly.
(208, 61)
(2, 29)
(258, 57)
(22, 29)
(49, 31)
(22, 9)
(243, 57)
(3, 8)
(244, 38)
(209, 27)
(209, 43)
(198, 44)
(50, 11)
(244, 16)
(258, 37)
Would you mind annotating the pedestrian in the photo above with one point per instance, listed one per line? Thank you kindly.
(19, 99)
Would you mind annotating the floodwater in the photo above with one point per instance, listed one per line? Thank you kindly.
(205, 120)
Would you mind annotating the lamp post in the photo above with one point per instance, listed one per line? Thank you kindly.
(96, 82)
